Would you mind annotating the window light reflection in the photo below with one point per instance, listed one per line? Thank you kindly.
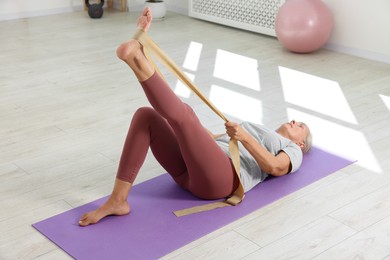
(386, 100)
(315, 93)
(237, 69)
(181, 89)
(340, 140)
(235, 104)
(192, 58)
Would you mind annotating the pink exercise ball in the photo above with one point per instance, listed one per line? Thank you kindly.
(303, 26)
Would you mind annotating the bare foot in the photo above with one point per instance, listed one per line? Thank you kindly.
(145, 20)
(133, 47)
(132, 53)
(110, 207)
(129, 50)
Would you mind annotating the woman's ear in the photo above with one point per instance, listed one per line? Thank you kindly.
(301, 144)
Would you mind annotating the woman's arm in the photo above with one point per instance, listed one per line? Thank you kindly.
(275, 165)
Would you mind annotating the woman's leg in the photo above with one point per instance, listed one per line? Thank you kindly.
(115, 205)
(147, 129)
(210, 172)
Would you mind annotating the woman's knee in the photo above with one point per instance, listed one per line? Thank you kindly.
(145, 114)
(147, 117)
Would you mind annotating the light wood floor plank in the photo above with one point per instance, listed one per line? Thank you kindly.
(227, 246)
(371, 243)
(306, 242)
(268, 228)
(366, 211)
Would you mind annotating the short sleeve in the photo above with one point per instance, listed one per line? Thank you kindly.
(295, 153)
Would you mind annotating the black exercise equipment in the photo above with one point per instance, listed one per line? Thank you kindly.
(95, 10)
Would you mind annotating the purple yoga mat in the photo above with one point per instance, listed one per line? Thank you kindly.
(151, 230)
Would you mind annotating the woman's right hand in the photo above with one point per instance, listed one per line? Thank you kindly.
(235, 131)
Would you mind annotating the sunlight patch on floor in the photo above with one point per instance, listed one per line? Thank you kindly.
(385, 100)
(191, 62)
(237, 69)
(317, 94)
(192, 58)
(235, 104)
(340, 140)
(181, 89)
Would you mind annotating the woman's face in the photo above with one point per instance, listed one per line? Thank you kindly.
(295, 131)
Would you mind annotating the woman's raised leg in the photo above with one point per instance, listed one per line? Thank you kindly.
(210, 172)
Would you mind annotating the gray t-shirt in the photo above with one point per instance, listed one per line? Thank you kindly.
(251, 174)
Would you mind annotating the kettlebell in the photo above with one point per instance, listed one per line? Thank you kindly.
(95, 10)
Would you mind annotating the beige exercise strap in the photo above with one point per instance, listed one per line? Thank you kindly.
(238, 195)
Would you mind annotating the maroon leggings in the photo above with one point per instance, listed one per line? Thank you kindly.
(179, 142)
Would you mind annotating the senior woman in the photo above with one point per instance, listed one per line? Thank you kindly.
(197, 160)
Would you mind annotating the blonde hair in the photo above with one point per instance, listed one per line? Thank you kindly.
(308, 141)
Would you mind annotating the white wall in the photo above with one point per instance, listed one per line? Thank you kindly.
(179, 6)
(362, 28)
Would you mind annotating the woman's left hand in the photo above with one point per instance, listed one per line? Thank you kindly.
(235, 131)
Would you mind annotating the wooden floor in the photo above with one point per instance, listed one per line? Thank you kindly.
(66, 102)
